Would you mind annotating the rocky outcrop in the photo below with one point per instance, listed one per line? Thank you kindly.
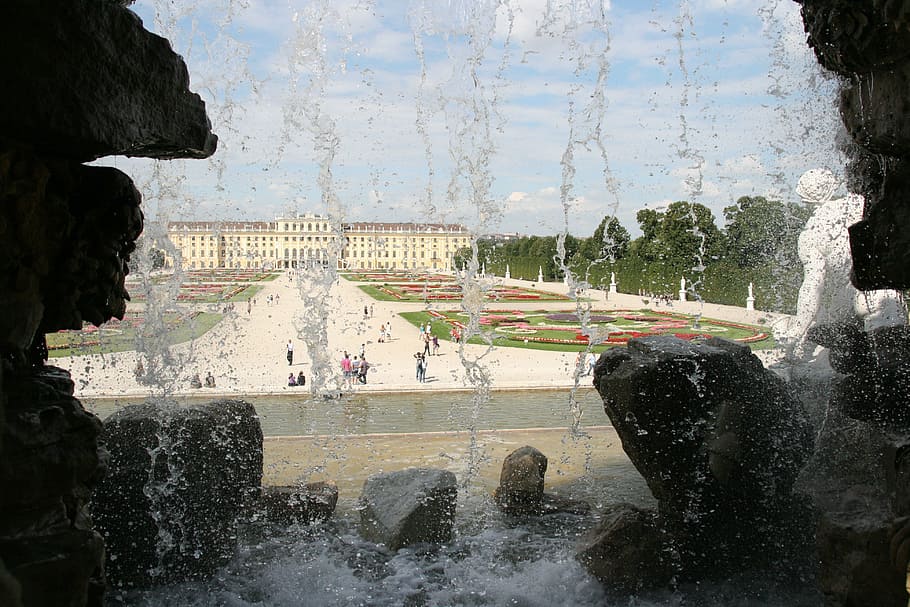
(180, 480)
(867, 44)
(718, 440)
(63, 258)
(81, 80)
(304, 504)
(87, 80)
(50, 465)
(407, 507)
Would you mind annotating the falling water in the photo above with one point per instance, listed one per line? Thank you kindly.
(466, 52)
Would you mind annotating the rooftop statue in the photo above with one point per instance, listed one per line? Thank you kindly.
(827, 295)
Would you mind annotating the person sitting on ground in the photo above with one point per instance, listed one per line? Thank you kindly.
(209, 380)
(195, 382)
(291, 380)
(301, 379)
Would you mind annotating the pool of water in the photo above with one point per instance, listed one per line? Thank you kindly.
(374, 413)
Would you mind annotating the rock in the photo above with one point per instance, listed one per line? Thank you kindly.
(180, 480)
(849, 36)
(108, 86)
(880, 243)
(855, 570)
(846, 480)
(58, 569)
(310, 503)
(10, 589)
(64, 254)
(627, 551)
(521, 481)
(874, 107)
(718, 440)
(411, 506)
(50, 464)
(521, 487)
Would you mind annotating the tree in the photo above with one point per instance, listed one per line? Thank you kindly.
(760, 230)
(609, 242)
(678, 237)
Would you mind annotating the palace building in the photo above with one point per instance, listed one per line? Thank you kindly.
(313, 241)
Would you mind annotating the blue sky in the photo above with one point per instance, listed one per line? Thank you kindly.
(524, 116)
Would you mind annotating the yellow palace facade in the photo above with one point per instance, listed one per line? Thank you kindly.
(313, 241)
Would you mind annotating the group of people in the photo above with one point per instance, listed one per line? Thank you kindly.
(300, 380)
(429, 340)
(195, 382)
(356, 369)
(385, 333)
(421, 367)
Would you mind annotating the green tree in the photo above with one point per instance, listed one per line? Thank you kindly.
(761, 230)
(678, 237)
(610, 241)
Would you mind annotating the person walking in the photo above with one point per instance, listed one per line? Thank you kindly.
(290, 353)
(435, 346)
(346, 369)
(426, 344)
(420, 367)
(364, 367)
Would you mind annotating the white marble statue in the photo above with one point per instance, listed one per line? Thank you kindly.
(827, 295)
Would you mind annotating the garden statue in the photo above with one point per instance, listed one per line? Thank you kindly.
(826, 295)
(682, 289)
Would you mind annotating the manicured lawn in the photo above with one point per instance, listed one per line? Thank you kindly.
(120, 336)
(561, 331)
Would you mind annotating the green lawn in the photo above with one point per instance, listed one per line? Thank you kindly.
(118, 336)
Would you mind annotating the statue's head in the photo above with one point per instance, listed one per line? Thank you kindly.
(817, 186)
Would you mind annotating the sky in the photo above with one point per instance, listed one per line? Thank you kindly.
(521, 116)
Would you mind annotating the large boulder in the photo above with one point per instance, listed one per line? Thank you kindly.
(411, 506)
(719, 441)
(51, 463)
(180, 480)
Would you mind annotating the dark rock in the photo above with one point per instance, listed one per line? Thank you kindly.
(521, 487)
(855, 569)
(552, 503)
(880, 243)
(10, 589)
(61, 569)
(180, 480)
(411, 506)
(106, 85)
(51, 463)
(64, 253)
(849, 36)
(307, 504)
(521, 481)
(719, 441)
(628, 551)
(874, 107)
(846, 481)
